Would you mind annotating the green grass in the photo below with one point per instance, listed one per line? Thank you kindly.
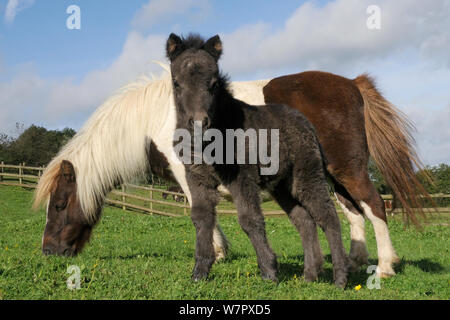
(136, 256)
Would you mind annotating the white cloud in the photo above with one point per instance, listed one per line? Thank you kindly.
(335, 36)
(156, 10)
(13, 7)
(31, 99)
(433, 136)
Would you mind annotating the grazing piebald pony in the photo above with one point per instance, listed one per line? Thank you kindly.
(132, 132)
(298, 181)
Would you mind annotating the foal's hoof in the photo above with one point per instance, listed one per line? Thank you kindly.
(341, 283)
(270, 276)
(199, 276)
(310, 276)
(340, 280)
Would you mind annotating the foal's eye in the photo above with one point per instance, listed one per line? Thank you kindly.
(213, 84)
(176, 85)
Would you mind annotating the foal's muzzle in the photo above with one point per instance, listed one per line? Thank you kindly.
(204, 122)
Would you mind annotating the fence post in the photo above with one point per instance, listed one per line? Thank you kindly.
(123, 197)
(20, 173)
(1, 175)
(151, 201)
(39, 173)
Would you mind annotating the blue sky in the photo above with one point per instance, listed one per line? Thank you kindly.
(56, 77)
(39, 35)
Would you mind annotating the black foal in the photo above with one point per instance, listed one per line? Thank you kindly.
(294, 173)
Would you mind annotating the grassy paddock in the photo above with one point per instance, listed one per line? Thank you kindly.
(136, 256)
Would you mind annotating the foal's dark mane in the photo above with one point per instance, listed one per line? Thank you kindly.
(191, 41)
(195, 41)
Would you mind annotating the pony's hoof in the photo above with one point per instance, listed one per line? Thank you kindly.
(396, 260)
(385, 270)
(386, 275)
(355, 264)
(220, 255)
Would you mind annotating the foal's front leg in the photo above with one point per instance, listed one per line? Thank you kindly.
(245, 195)
(203, 215)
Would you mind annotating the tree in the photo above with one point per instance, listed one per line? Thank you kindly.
(440, 176)
(36, 146)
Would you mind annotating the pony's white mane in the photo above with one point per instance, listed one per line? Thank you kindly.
(111, 146)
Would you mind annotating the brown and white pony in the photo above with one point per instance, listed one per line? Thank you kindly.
(354, 121)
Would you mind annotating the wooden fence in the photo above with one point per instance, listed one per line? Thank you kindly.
(146, 199)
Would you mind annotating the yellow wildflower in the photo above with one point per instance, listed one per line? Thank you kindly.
(358, 287)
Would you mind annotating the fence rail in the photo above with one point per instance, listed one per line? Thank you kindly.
(146, 198)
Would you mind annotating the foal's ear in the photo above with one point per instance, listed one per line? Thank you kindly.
(214, 47)
(68, 171)
(173, 46)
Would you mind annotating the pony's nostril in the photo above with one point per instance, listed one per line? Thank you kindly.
(67, 253)
(47, 251)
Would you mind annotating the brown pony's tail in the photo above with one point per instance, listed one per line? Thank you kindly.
(391, 145)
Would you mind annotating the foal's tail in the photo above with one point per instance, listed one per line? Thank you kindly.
(391, 145)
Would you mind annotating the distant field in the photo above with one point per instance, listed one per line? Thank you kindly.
(137, 256)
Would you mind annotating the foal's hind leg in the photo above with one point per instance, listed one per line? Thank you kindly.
(365, 195)
(310, 189)
(245, 195)
(308, 231)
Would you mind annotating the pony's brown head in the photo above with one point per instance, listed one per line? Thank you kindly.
(67, 229)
